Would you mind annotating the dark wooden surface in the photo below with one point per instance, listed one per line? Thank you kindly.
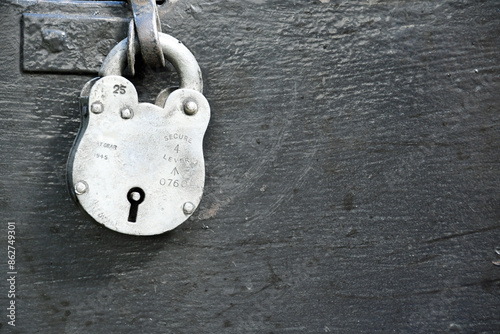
(352, 178)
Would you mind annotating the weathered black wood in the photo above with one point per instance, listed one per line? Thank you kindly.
(352, 178)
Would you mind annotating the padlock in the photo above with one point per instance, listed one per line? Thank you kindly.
(138, 168)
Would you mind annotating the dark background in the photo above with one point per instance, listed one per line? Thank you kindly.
(352, 174)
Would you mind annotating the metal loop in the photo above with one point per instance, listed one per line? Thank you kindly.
(147, 23)
(175, 52)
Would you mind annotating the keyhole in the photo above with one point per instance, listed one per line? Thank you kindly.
(135, 196)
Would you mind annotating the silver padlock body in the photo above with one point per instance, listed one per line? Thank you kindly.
(124, 144)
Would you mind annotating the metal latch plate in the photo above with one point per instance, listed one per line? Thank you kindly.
(69, 43)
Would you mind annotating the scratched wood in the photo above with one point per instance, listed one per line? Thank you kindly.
(352, 178)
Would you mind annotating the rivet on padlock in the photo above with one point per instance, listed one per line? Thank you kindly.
(138, 168)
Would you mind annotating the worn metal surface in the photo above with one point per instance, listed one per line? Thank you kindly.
(148, 25)
(71, 37)
(125, 148)
(352, 178)
(52, 43)
(179, 56)
(131, 48)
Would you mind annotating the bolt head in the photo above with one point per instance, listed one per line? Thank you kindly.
(81, 187)
(127, 113)
(188, 208)
(135, 196)
(97, 107)
(190, 107)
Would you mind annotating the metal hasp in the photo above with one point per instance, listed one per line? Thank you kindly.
(138, 168)
(62, 43)
(147, 22)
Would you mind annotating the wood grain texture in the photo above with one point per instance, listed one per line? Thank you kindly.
(352, 178)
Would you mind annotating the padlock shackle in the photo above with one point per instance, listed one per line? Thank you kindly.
(175, 52)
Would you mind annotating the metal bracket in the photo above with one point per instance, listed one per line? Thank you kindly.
(147, 22)
(72, 36)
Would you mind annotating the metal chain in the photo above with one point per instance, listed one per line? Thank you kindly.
(147, 26)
